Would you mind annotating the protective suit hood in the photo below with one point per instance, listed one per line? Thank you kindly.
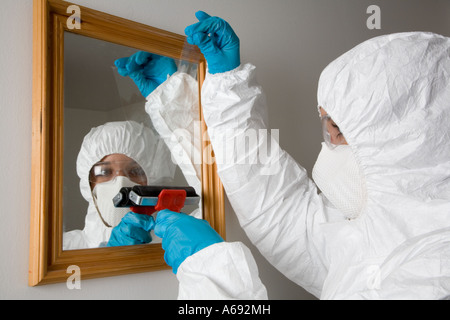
(132, 139)
(390, 97)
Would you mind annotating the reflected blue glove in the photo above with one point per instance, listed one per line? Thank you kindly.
(183, 236)
(133, 229)
(217, 41)
(147, 70)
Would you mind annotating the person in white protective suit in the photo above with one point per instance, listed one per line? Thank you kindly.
(112, 156)
(379, 228)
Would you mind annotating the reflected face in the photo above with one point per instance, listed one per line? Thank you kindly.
(116, 165)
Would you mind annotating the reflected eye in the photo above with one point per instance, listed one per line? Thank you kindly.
(335, 126)
(106, 171)
(102, 171)
(136, 172)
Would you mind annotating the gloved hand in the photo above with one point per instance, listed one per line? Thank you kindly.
(217, 41)
(147, 70)
(182, 236)
(133, 229)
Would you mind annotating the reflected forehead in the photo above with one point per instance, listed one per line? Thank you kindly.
(116, 157)
(117, 161)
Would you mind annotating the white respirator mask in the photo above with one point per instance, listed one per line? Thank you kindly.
(338, 175)
(103, 195)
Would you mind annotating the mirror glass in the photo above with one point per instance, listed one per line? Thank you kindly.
(110, 141)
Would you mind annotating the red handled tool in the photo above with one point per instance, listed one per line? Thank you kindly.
(150, 199)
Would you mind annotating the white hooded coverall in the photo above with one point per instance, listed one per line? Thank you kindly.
(390, 96)
(152, 151)
(129, 138)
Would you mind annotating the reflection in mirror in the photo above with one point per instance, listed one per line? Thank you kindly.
(121, 109)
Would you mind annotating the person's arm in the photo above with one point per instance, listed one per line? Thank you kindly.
(207, 267)
(174, 111)
(223, 271)
(276, 203)
(172, 105)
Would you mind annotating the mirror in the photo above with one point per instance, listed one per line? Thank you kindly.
(97, 97)
(89, 118)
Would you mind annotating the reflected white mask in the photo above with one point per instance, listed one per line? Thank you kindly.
(103, 195)
(339, 177)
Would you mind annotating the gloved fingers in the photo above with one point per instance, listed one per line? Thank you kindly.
(204, 42)
(138, 61)
(138, 77)
(129, 65)
(146, 86)
(170, 66)
(171, 261)
(121, 65)
(165, 219)
(123, 241)
(141, 221)
(176, 250)
(137, 234)
(132, 230)
(119, 238)
(143, 57)
(209, 25)
(201, 15)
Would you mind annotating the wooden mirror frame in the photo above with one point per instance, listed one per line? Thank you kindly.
(48, 263)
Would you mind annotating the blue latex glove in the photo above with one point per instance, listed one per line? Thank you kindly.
(182, 236)
(133, 229)
(147, 70)
(217, 41)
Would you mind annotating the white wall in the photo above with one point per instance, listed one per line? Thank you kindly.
(290, 42)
